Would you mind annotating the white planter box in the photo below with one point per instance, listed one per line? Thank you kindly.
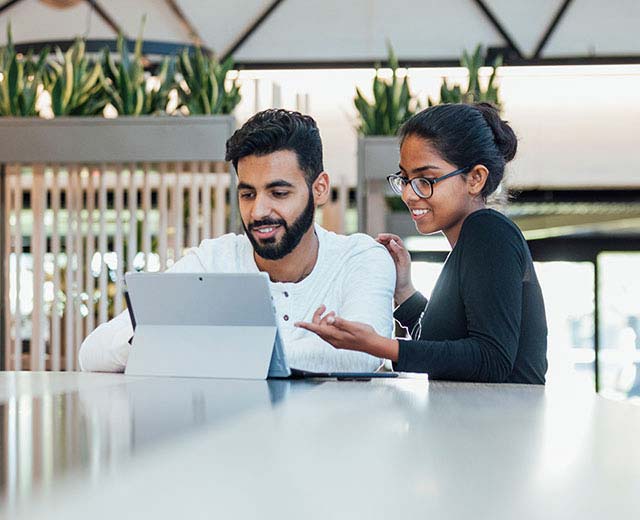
(124, 139)
(378, 156)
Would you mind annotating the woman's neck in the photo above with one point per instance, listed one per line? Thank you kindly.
(453, 233)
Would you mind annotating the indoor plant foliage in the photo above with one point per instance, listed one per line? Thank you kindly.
(474, 93)
(74, 83)
(392, 103)
(20, 80)
(202, 89)
(125, 82)
(80, 86)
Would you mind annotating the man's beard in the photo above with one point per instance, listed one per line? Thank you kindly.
(269, 249)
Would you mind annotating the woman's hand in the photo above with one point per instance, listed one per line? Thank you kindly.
(350, 335)
(400, 255)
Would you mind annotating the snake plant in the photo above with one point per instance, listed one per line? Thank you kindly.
(125, 82)
(74, 83)
(392, 103)
(20, 77)
(474, 93)
(203, 89)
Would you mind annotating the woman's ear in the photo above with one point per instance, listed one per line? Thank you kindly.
(476, 179)
(321, 189)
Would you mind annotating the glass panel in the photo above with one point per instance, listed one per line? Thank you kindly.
(424, 276)
(569, 302)
(568, 292)
(619, 324)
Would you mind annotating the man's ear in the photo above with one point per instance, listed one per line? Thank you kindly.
(476, 179)
(321, 189)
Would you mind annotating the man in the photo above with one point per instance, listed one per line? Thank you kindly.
(277, 155)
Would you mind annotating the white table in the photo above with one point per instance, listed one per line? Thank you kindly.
(98, 446)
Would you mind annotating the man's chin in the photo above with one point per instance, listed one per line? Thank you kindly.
(270, 253)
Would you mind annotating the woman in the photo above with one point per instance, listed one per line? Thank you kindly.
(485, 320)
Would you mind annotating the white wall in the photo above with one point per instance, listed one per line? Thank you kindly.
(578, 126)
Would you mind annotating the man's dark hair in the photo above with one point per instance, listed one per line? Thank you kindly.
(273, 130)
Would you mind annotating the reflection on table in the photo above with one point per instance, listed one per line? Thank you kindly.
(95, 446)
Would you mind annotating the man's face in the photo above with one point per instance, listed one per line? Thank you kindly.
(276, 204)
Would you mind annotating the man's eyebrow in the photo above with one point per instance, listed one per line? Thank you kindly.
(245, 186)
(421, 169)
(279, 184)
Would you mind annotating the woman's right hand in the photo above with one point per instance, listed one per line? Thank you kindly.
(400, 255)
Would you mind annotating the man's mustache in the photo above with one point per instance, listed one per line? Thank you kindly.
(266, 222)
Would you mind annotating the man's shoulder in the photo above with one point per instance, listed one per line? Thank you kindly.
(227, 241)
(355, 243)
(356, 247)
(226, 248)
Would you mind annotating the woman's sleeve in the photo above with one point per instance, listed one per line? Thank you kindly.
(409, 312)
(491, 276)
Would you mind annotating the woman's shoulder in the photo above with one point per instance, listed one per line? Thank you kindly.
(489, 229)
(488, 222)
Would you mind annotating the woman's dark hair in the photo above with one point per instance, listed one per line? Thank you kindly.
(273, 130)
(467, 135)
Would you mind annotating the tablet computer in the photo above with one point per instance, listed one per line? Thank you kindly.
(210, 325)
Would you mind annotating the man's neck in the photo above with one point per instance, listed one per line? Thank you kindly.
(297, 265)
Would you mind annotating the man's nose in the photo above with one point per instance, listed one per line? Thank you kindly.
(261, 207)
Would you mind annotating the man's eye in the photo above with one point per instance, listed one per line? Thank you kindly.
(280, 194)
(246, 195)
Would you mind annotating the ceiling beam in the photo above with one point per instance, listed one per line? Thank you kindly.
(499, 27)
(436, 62)
(161, 48)
(106, 17)
(8, 4)
(186, 24)
(552, 27)
(148, 47)
(248, 32)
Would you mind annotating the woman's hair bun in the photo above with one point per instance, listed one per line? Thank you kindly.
(504, 136)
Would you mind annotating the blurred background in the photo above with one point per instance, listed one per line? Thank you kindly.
(115, 113)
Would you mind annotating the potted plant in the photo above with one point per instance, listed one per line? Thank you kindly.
(80, 89)
(474, 92)
(378, 154)
(20, 80)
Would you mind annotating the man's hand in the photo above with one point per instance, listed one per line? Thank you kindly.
(350, 335)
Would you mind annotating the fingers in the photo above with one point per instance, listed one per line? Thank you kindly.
(323, 331)
(398, 250)
(328, 318)
(318, 314)
(384, 238)
(307, 326)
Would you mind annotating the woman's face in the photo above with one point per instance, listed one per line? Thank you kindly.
(450, 203)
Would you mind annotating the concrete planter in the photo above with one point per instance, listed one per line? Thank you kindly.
(124, 139)
(378, 156)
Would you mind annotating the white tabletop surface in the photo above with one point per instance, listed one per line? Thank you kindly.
(98, 446)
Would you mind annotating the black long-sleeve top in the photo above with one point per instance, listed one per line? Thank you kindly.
(485, 320)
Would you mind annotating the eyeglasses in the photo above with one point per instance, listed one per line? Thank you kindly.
(422, 187)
